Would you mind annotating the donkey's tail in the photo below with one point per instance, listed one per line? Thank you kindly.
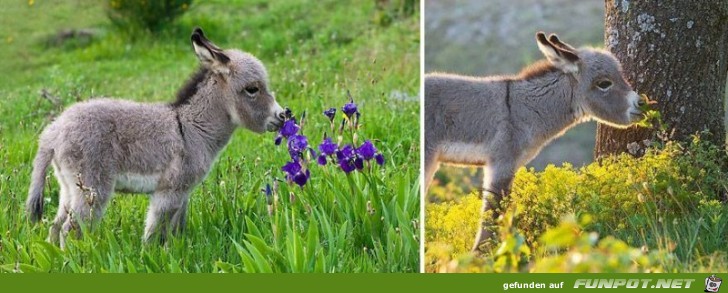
(34, 204)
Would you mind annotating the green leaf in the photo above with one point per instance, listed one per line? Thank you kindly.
(224, 267)
(248, 263)
(262, 263)
(130, 266)
(252, 228)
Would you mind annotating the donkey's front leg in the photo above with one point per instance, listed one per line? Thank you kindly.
(496, 185)
(431, 166)
(167, 212)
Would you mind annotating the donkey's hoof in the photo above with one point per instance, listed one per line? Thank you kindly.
(483, 247)
(484, 242)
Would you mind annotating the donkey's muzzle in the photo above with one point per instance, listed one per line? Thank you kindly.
(286, 114)
(273, 126)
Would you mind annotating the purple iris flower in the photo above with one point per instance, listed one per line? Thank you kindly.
(297, 144)
(268, 194)
(380, 159)
(367, 150)
(349, 109)
(331, 112)
(289, 128)
(294, 172)
(291, 168)
(328, 147)
(312, 152)
(358, 163)
(301, 178)
(346, 166)
(347, 158)
(346, 153)
(321, 160)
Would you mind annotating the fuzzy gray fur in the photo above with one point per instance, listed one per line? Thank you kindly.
(502, 122)
(103, 145)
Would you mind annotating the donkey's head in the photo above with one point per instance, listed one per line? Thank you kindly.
(601, 90)
(242, 82)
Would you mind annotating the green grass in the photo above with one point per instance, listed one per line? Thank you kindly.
(314, 50)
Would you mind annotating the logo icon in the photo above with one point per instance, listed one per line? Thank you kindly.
(712, 284)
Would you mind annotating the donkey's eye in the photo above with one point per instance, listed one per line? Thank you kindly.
(251, 90)
(604, 84)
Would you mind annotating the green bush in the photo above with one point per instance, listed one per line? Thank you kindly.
(149, 15)
(625, 195)
(389, 11)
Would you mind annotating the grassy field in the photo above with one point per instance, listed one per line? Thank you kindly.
(314, 50)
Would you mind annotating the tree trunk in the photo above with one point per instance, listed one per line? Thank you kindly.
(675, 52)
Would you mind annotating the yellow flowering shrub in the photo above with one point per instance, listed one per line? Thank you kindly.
(663, 212)
(457, 220)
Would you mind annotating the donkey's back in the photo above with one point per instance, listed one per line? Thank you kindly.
(117, 136)
(463, 116)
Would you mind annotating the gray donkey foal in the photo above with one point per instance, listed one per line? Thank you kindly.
(501, 122)
(102, 145)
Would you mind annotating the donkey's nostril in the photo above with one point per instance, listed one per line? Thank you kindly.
(641, 102)
(282, 115)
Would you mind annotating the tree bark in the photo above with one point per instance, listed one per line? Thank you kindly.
(675, 52)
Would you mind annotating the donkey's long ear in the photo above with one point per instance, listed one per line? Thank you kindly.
(554, 39)
(563, 58)
(210, 55)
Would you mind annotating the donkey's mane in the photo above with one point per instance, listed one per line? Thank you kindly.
(190, 88)
(537, 69)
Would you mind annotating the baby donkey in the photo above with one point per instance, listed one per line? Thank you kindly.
(501, 122)
(164, 150)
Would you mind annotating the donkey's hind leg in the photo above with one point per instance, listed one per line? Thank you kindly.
(64, 201)
(497, 181)
(90, 193)
(179, 218)
(431, 166)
